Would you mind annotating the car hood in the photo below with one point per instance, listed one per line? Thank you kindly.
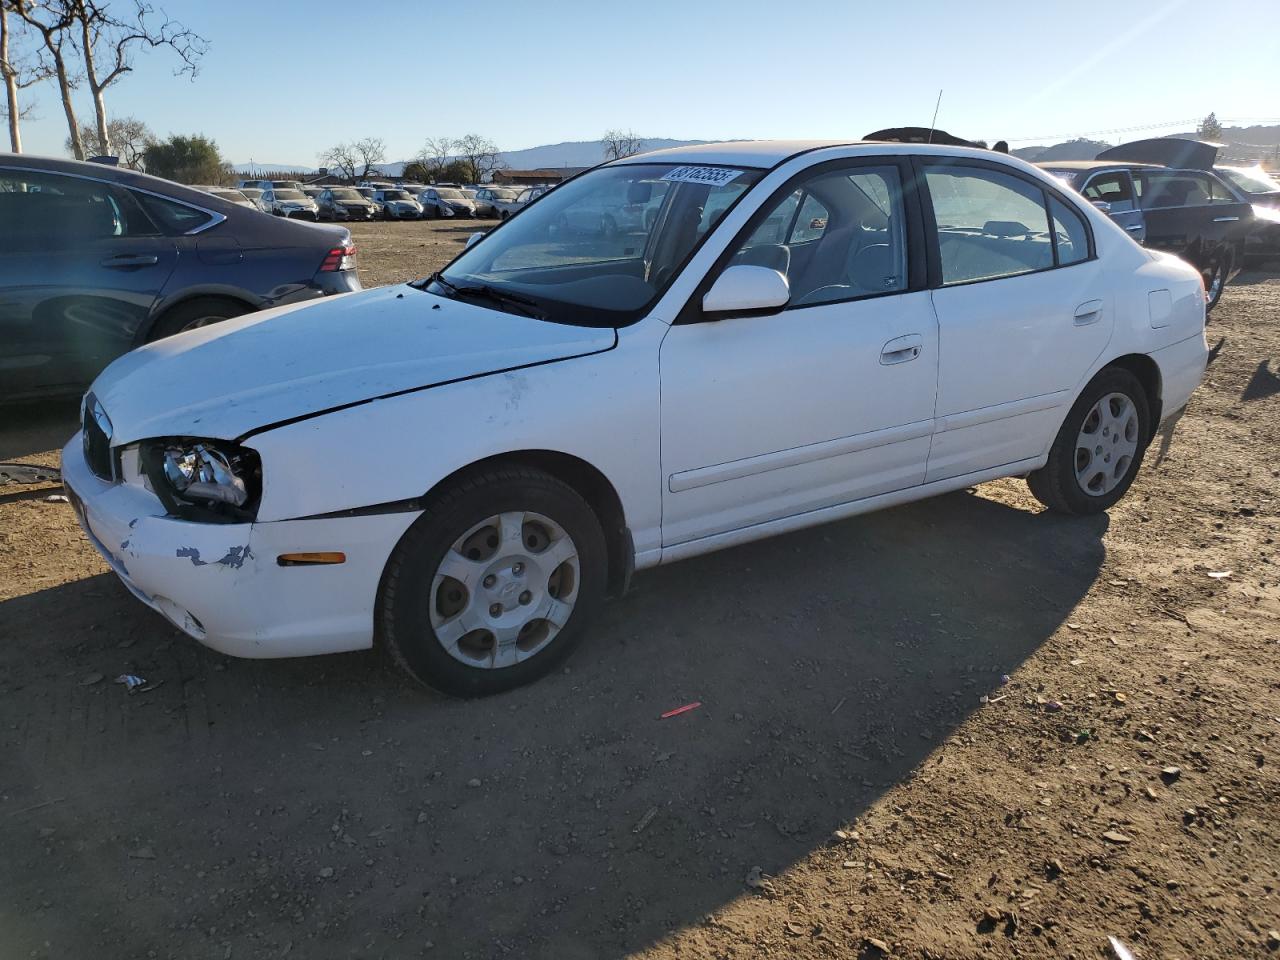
(232, 378)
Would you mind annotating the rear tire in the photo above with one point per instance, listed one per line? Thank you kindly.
(481, 632)
(193, 314)
(1110, 419)
(1216, 283)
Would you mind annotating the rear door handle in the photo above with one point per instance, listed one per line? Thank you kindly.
(901, 349)
(1134, 227)
(1088, 312)
(126, 260)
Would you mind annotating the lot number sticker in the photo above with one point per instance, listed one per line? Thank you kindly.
(711, 176)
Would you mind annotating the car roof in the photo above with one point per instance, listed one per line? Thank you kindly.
(109, 174)
(771, 153)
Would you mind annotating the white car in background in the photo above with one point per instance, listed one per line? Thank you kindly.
(253, 195)
(231, 195)
(396, 204)
(464, 467)
(287, 202)
(505, 208)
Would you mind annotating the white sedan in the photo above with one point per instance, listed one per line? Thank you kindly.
(464, 467)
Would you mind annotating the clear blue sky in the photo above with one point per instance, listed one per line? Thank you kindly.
(283, 79)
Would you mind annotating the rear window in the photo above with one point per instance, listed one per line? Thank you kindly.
(172, 216)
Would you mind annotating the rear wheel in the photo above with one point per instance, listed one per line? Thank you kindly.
(194, 314)
(1098, 450)
(494, 584)
(1214, 285)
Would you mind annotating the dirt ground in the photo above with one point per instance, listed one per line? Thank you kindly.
(961, 728)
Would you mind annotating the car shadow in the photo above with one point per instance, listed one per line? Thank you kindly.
(1264, 383)
(37, 426)
(328, 798)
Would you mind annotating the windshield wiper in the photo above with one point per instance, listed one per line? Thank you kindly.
(526, 305)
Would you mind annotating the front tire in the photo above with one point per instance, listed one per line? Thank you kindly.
(494, 584)
(1099, 448)
(1216, 283)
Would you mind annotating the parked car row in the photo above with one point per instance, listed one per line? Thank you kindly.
(1168, 195)
(381, 200)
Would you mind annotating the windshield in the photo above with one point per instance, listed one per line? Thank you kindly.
(346, 195)
(1067, 176)
(251, 192)
(235, 196)
(1250, 181)
(600, 249)
(449, 194)
(395, 195)
(504, 194)
(290, 195)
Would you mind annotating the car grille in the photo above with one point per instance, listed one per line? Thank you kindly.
(97, 442)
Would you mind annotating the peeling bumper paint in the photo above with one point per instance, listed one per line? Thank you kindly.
(220, 583)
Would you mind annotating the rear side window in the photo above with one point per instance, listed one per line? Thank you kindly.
(993, 224)
(49, 211)
(171, 216)
(1070, 234)
(1114, 188)
(1175, 188)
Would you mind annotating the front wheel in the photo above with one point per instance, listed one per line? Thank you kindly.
(494, 584)
(1098, 450)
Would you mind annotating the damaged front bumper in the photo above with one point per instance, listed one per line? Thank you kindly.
(221, 584)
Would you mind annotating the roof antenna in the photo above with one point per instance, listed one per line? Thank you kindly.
(934, 125)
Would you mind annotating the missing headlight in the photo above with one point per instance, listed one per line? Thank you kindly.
(209, 480)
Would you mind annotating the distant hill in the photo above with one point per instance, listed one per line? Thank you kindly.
(572, 153)
(1071, 150)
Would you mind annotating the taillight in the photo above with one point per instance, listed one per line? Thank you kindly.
(339, 258)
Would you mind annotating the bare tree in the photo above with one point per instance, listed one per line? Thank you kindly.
(340, 157)
(107, 42)
(620, 143)
(19, 73)
(369, 151)
(479, 155)
(52, 20)
(435, 155)
(129, 139)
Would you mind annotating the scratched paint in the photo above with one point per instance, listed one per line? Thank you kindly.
(193, 554)
(236, 556)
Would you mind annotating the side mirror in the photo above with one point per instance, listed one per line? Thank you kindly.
(747, 289)
(1102, 205)
(474, 239)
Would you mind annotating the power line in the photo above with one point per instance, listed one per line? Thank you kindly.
(1138, 127)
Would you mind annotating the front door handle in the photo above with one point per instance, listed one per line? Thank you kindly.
(1134, 227)
(1088, 312)
(901, 349)
(127, 260)
(1225, 219)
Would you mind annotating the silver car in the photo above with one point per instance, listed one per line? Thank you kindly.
(397, 204)
(285, 202)
(446, 202)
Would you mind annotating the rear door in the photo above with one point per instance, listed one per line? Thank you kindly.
(1115, 189)
(1191, 214)
(1023, 313)
(81, 267)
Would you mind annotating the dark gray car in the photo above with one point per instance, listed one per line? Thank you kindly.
(96, 260)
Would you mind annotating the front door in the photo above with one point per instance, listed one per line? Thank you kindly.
(1191, 214)
(827, 401)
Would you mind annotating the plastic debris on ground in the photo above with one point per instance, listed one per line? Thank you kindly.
(134, 684)
(679, 710)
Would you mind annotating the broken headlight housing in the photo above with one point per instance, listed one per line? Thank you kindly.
(210, 480)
